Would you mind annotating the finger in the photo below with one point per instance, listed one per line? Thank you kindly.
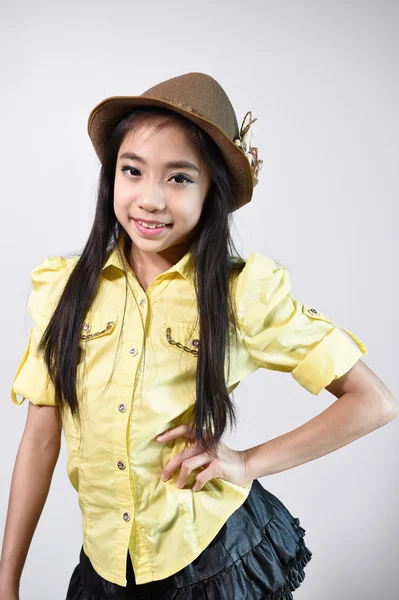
(179, 431)
(189, 464)
(213, 471)
(176, 461)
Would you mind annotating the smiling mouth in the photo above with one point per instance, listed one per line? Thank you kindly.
(150, 228)
(152, 225)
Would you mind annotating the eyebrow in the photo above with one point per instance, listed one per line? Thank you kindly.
(177, 164)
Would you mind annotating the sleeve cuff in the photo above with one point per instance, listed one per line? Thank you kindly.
(334, 356)
(32, 381)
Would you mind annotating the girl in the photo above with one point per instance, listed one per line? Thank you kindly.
(138, 343)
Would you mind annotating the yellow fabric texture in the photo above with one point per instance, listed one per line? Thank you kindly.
(116, 462)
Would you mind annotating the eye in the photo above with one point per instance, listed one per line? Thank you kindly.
(127, 168)
(184, 180)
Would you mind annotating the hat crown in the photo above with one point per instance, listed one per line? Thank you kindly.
(199, 94)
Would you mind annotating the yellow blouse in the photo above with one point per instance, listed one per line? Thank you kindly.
(116, 467)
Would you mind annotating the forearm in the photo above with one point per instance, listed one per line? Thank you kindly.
(30, 484)
(350, 417)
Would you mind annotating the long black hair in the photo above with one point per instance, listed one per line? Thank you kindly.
(216, 262)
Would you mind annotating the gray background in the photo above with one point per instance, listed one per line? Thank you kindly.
(322, 79)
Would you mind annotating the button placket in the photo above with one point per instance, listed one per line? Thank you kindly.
(133, 351)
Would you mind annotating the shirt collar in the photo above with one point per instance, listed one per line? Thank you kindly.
(185, 266)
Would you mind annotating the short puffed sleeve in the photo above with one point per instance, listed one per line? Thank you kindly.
(282, 334)
(32, 380)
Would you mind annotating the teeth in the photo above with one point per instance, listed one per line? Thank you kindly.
(152, 226)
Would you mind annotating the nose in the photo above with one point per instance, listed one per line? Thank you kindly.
(151, 196)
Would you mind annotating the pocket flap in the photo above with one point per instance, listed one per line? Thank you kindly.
(183, 338)
(98, 325)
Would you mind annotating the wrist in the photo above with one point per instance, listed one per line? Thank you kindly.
(249, 470)
(253, 468)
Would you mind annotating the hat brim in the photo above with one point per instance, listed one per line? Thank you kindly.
(105, 116)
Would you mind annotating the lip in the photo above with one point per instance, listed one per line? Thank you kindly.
(150, 232)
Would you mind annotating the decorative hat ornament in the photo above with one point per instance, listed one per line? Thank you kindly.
(244, 141)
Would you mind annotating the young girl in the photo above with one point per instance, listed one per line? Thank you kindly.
(148, 332)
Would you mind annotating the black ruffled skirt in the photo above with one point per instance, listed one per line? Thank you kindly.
(258, 554)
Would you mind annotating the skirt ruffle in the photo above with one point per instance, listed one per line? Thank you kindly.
(258, 554)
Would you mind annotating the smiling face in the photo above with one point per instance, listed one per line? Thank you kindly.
(160, 178)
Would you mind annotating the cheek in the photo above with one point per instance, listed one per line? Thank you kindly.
(190, 210)
(121, 194)
(188, 217)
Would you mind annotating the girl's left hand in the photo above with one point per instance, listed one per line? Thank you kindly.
(230, 465)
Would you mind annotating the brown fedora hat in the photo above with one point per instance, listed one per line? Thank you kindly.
(200, 98)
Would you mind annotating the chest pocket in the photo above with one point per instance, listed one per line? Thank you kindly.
(102, 322)
(97, 335)
(184, 337)
(181, 338)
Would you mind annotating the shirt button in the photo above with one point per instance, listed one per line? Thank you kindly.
(122, 407)
(133, 351)
(126, 516)
(121, 464)
(142, 302)
(313, 311)
(86, 327)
